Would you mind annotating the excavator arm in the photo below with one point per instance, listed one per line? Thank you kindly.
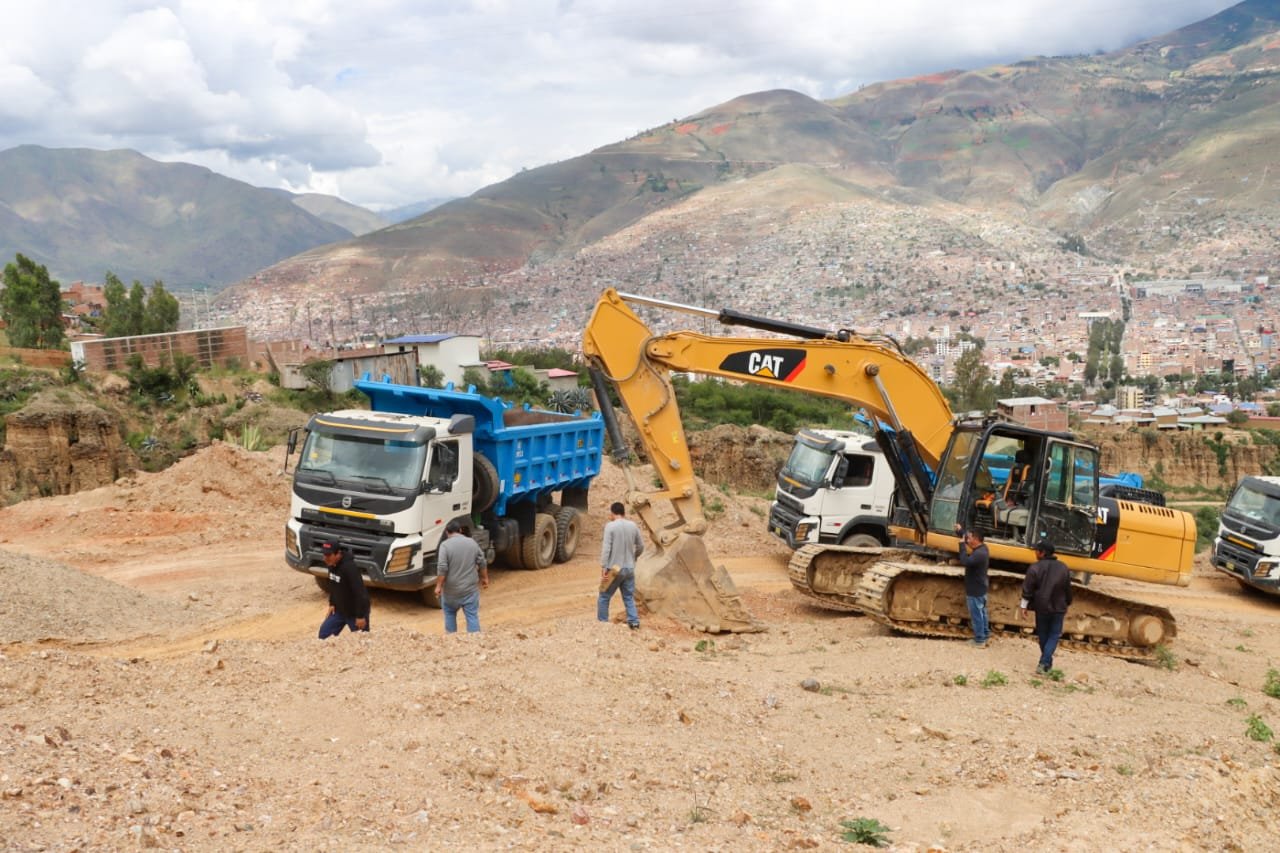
(837, 364)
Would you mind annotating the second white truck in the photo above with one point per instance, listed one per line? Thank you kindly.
(835, 488)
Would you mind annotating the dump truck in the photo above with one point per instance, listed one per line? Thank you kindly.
(384, 482)
(1247, 546)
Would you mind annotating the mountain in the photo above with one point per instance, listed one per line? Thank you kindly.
(410, 211)
(1135, 150)
(353, 218)
(82, 212)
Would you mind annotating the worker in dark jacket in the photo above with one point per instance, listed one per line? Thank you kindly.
(348, 599)
(1047, 591)
(975, 558)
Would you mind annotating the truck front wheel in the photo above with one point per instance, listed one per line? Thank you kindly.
(323, 583)
(538, 549)
(429, 596)
(861, 540)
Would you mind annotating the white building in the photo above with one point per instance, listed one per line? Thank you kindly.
(450, 354)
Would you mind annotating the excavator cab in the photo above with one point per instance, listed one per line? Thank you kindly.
(1018, 486)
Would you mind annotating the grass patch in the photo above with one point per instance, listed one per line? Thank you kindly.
(1166, 659)
(1125, 769)
(1272, 685)
(960, 680)
(1237, 702)
(1256, 729)
(865, 830)
(994, 678)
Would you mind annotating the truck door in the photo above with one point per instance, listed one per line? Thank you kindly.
(1067, 499)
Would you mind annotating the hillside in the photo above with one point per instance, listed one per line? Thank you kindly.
(81, 213)
(1143, 151)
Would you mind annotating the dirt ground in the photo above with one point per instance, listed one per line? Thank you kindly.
(161, 687)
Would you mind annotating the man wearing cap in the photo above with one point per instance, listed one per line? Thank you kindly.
(1047, 591)
(348, 599)
(461, 572)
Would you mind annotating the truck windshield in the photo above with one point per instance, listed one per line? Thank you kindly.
(1254, 505)
(807, 465)
(370, 462)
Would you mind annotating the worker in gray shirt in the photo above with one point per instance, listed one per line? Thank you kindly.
(622, 544)
(461, 572)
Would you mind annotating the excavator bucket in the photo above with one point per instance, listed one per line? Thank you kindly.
(681, 582)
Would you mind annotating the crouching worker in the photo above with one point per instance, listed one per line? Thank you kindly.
(348, 599)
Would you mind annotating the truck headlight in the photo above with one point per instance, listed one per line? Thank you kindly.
(1267, 569)
(400, 560)
(291, 542)
(802, 531)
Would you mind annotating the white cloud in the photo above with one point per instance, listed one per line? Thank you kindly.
(386, 102)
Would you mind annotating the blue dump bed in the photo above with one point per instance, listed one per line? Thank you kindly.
(534, 451)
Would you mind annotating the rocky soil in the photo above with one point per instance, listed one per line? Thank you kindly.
(161, 687)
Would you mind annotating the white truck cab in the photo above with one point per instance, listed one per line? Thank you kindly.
(1247, 546)
(835, 488)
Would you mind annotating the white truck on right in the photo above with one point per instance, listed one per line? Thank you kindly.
(1247, 546)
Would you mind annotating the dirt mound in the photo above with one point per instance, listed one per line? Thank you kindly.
(44, 600)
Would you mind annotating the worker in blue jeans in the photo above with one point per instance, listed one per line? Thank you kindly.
(622, 544)
(461, 571)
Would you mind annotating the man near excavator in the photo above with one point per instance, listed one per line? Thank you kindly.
(1047, 591)
(975, 558)
(622, 544)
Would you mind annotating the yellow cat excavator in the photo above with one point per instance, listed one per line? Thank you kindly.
(1017, 484)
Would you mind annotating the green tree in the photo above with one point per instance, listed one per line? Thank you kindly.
(31, 305)
(971, 387)
(136, 309)
(430, 376)
(115, 313)
(1237, 417)
(132, 312)
(162, 311)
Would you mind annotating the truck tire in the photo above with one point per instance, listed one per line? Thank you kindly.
(538, 549)
(485, 484)
(323, 583)
(861, 540)
(568, 526)
(429, 596)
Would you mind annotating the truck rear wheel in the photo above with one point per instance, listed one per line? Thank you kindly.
(568, 525)
(538, 549)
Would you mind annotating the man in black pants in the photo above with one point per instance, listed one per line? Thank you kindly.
(348, 599)
(1047, 591)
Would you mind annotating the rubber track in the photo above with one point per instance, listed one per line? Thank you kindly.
(798, 572)
(870, 599)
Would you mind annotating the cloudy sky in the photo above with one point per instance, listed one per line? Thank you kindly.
(388, 102)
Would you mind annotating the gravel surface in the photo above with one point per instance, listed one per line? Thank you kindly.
(161, 687)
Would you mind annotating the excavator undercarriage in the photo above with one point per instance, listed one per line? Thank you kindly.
(914, 593)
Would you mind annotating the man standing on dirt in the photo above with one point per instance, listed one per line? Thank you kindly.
(622, 544)
(975, 559)
(461, 571)
(1047, 591)
(348, 599)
